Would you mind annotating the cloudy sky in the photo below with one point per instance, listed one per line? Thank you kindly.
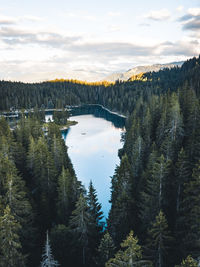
(89, 39)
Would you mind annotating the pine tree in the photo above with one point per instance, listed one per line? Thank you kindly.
(66, 195)
(14, 194)
(40, 162)
(96, 215)
(190, 212)
(182, 176)
(173, 131)
(80, 224)
(130, 256)
(60, 237)
(47, 257)
(105, 250)
(122, 211)
(10, 246)
(188, 262)
(153, 199)
(94, 207)
(191, 111)
(159, 241)
(59, 153)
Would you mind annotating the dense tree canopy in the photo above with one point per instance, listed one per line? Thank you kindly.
(155, 189)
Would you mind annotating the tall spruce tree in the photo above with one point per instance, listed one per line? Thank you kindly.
(96, 215)
(153, 198)
(67, 192)
(10, 246)
(190, 212)
(188, 262)
(130, 255)
(159, 242)
(80, 225)
(122, 211)
(106, 250)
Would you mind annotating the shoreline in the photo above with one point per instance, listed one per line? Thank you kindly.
(15, 114)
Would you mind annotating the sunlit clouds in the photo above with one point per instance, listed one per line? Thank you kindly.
(89, 42)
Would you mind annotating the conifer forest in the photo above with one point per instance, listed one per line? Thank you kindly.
(48, 218)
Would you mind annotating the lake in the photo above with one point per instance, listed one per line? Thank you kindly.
(93, 146)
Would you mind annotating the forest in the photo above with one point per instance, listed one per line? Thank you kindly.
(48, 218)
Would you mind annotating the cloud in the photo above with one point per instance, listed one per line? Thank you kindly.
(193, 25)
(13, 35)
(182, 48)
(191, 20)
(194, 11)
(158, 15)
(32, 18)
(112, 49)
(5, 20)
(80, 56)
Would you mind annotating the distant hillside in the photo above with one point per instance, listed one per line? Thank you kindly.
(148, 68)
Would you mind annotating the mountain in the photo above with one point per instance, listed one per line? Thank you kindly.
(124, 76)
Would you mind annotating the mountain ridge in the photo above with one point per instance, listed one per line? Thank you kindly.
(124, 76)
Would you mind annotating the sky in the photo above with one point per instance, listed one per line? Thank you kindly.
(87, 40)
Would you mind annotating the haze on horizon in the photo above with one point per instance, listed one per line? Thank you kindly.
(88, 40)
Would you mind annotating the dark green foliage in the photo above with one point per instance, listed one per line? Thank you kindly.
(106, 250)
(188, 262)
(130, 255)
(60, 117)
(61, 246)
(10, 246)
(96, 225)
(153, 199)
(80, 226)
(121, 215)
(159, 170)
(159, 241)
(67, 192)
(190, 215)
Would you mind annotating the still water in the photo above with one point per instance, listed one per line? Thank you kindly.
(93, 146)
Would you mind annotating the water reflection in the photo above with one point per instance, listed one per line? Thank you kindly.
(93, 148)
(99, 112)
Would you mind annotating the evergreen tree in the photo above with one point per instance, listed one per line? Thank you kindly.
(105, 250)
(14, 194)
(191, 110)
(190, 212)
(80, 225)
(40, 162)
(153, 199)
(96, 215)
(123, 207)
(47, 257)
(173, 131)
(182, 176)
(188, 262)
(66, 195)
(10, 246)
(59, 153)
(130, 256)
(94, 207)
(159, 242)
(60, 237)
